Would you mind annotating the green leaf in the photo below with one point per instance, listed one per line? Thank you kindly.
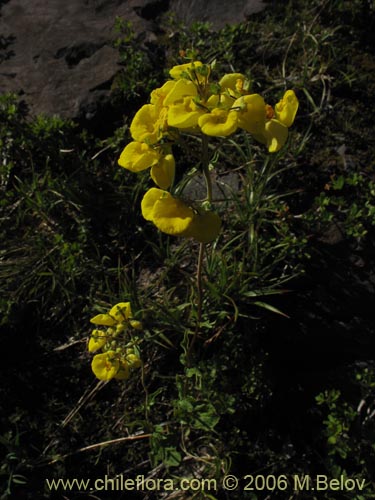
(264, 305)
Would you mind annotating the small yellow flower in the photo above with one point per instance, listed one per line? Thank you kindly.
(286, 108)
(177, 71)
(236, 83)
(123, 371)
(184, 114)
(205, 227)
(149, 124)
(103, 320)
(138, 156)
(106, 365)
(222, 101)
(170, 215)
(158, 95)
(163, 172)
(97, 340)
(274, 135)
(219, 122)
(182, 88)
(252, 113)
(121, 311)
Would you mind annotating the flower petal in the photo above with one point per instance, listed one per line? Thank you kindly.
(172, 215)
(106, 365)
(219, 122)
(252, 113)
(97, 340)
(121, 311)
(149, 200)
(163, 173)
(103, 320)
(205, 227)
(274, 135)
(286, 108)
(177, 71)
(138, 156)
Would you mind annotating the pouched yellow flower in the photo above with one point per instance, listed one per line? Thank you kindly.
(163, 172)
(205, 227)
(158, 95)
(149, 124)
(189, 67)
(97, 340)
(121, 311)
(286, 108)
(184, 114)
(181, 88)
(123, 372)
(219, 122)
(221, 101)
(118, 314)
(237, 83)
(103, 320)
(170, 215)
(105, 365)
(252, 113)
(138, 156)
(274, 135)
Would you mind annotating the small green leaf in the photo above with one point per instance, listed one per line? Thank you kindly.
(264, 305)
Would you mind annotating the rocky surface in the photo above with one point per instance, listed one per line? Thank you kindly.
(59, 56)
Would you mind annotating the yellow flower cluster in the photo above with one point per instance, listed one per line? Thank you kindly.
(190, 102)
(118, 344)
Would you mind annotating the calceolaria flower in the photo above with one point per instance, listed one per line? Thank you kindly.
(191, 102)
(173, 216)
(118, 343)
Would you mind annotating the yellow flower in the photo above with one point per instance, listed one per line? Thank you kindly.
(97, 340)
(235, 82)
(106, 365)
(182, 88)
(205, 227)
(170, 215)
(149, 123)
(184, 114)
(252, 113)
(286, 108)
(158, 95)
(222, 101)
(163, 172)
(121, 311)
(177, 71)
(274, 135)
(219, 122)
(118, 314)
(103, 320)
(123, 371)
(138, 156)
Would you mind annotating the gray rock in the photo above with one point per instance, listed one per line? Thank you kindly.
(217, 12)
(58, 53)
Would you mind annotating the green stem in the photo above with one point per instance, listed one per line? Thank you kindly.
(206, 171)
(199, 302)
